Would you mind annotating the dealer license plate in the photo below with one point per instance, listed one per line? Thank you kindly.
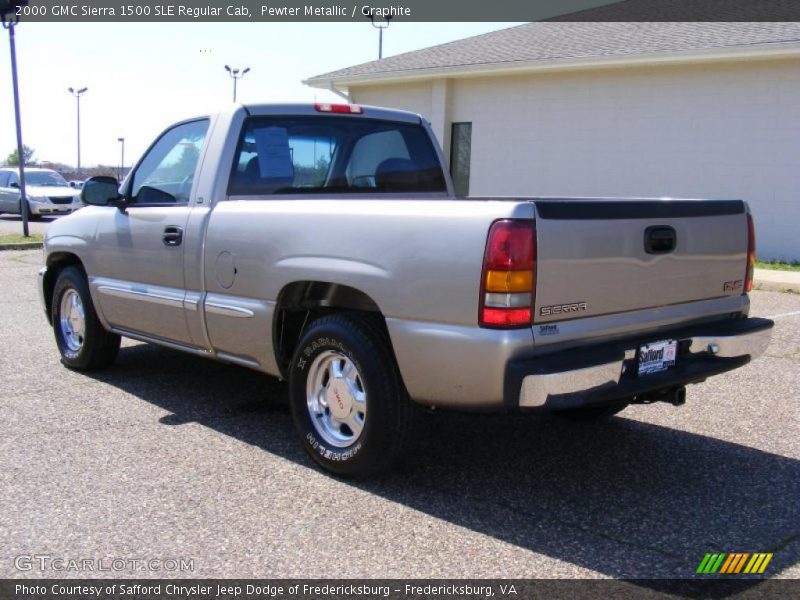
(657, 356)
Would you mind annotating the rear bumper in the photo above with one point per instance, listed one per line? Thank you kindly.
(606, 373)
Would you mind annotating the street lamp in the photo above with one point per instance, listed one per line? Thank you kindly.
(121, 157)
(380, 28)
(77, 94)
(10, 19)
(236, 75)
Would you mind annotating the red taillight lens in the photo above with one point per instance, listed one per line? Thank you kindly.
(751, 254)
(348, 109)
(509, 275)
(506, 318)
(510, 246)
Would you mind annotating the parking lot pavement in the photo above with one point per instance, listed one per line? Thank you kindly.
(166, 455)
(13, 224)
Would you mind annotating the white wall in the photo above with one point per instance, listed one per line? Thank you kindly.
(716, 130)
(415, 97)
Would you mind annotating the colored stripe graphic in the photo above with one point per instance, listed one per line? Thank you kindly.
(738, 562)
(701, 568)
(727, 564)
(711, 562)
(734, 563)
(758, 564)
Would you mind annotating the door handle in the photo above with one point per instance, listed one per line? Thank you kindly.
(173, 236)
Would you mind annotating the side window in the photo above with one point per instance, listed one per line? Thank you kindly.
(460, 154)
(4, 178)
(13, 178)
(165, 174)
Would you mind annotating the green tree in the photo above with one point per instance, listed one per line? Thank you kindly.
(13, 158)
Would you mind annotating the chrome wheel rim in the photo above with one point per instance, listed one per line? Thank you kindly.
(336, 399)
(72, 320)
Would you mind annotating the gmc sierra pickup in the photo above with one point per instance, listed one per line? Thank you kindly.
(324, 244)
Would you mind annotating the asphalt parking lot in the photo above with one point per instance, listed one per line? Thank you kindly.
(13, 224)
(166, 455)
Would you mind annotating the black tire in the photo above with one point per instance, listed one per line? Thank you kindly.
(98, 347)
(389, 413)
(590, 413)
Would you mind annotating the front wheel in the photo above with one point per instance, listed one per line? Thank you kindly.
(83, 343)
(348, 402)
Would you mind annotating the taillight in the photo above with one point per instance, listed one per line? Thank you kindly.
(751, 254)
(348, 109)
(509, 275)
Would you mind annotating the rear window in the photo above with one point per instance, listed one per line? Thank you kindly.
(315, 154)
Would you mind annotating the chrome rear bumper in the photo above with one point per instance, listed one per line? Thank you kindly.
(597, 375)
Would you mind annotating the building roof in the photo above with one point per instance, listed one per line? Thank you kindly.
(551, 44)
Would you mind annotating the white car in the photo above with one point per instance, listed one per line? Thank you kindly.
(47, 191)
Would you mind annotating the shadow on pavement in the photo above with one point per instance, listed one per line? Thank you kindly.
(625, 498)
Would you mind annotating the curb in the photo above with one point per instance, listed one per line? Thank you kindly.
(21, 246)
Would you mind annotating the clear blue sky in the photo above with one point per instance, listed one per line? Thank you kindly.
(142, 77)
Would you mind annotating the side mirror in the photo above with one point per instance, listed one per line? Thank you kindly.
(101, 191)
(13, 184)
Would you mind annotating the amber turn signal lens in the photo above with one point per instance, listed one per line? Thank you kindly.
(508, 282)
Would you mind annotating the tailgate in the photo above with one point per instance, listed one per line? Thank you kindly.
(599, 257)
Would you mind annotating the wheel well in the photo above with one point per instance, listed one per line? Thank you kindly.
(56, 263)
(301, 302)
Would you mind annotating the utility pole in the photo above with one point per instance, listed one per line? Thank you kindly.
(77, 94)
(236, 75)
(10, 21)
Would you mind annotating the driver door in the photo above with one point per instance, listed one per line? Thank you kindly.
(138, 276)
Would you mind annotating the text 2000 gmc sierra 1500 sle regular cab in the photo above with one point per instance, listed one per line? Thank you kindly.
(324, 244)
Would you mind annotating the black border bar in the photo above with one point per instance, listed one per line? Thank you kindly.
(408, 10)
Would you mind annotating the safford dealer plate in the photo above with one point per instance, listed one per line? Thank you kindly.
(657, 356)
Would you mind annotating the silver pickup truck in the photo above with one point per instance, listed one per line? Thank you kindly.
(324, 244)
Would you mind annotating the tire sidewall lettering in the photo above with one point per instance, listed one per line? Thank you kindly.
(322, 343)
(332, 454)
(317, 445)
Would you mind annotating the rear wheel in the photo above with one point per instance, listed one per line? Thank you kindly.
(348, 403)
(81, 339)
(591, 413)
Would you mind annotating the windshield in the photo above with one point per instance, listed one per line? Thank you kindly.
(50, 178)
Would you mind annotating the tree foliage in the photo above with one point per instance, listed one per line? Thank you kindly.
(13, 158)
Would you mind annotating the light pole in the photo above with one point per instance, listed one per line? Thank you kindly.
(380, 29)
(77, 94)
(10, 20)
(236, 75)
(121, 157)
